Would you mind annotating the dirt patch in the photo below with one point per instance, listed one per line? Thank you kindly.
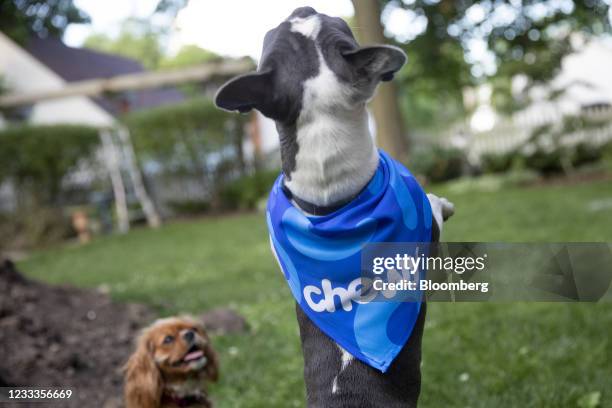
(65, 337)
(222, 321)
(61, 336)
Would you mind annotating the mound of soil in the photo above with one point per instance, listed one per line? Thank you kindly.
(65, 337)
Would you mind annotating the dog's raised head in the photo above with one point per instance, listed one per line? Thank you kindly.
(171, 350)
(310, 60)
(314, 79)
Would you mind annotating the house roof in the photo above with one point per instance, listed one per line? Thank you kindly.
(78, 64)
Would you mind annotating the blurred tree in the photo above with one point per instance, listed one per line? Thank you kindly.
(170, 7)
(188, 55)
(436, 72)
(144, 42)
(20, 19)
(137, 39)
(451, 44)
(389, 125)
(3, 85)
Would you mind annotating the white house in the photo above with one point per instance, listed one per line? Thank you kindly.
(46, 64)
(21, 72)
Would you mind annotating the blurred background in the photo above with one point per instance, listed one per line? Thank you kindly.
(122, 183)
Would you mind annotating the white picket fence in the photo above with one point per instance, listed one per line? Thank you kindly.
(512, 133)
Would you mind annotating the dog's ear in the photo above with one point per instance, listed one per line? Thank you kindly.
(212, 366)
(246, 92)
(143, 383)
(377, 61)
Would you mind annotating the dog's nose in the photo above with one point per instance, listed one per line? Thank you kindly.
(188, 336)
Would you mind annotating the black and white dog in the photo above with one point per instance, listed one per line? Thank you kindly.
(314, 81)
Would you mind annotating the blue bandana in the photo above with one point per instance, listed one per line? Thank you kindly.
(320, 257)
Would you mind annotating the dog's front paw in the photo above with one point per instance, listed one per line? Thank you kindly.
(441, 208)
(448, 208)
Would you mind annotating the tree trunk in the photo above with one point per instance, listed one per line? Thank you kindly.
(390, 134)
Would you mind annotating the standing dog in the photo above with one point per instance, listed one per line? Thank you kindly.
(314, 81)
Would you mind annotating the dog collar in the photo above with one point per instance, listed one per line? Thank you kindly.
(311, 208)
(320, 257)
(185, 400)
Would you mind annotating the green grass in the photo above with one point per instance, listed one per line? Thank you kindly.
(475, 355)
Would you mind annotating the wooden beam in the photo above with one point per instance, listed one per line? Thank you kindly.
(136, 81)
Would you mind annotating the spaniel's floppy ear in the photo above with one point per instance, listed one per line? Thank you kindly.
(143, 384)
(376, 61)
(246, 92)
(212, 365)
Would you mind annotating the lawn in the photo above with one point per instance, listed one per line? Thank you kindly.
(475, 355)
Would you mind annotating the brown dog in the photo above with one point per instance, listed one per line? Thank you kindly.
(172, 363)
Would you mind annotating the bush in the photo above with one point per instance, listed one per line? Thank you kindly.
(545, 162)
(585, 153)
(33, 227)
(245, 192)
(38, 157)
(189, 207)
(498, 162)
(438, 164)
(181, 137)
(545, 153)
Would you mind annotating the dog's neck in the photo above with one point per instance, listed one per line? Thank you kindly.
(331, 158)
(186, 393)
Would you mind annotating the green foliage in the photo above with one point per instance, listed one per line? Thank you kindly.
(3, 86)
(245, 192)
(573, 123)
(21, 18)
(194, 114)
(497, 162)
(180, 136)
(38, 157)
(537, 39)
(546, 153)
(189, 207)
(437, 163)
(140, 40)
(546, 162)
(529, 37)
(436, 71)
(585, 153)
(137, 39)
(34, 227)
(192, 138)
(188, 55)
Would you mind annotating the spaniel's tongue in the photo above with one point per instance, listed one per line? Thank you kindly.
(194, 355)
